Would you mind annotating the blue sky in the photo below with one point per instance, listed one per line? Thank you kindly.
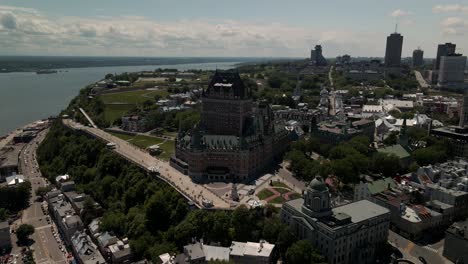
(227, 28)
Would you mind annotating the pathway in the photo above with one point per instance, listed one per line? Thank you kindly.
(182, 183)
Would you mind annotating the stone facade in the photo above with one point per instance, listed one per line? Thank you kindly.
(344, 234)
(236, 138)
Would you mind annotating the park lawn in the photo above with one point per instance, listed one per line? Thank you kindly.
(282, 190)
(122, 136)
(295, 196)
(278, 200)
(115, 111)
(279, 184)
(131, 97)
(144, 142)
(145, 84)
(168, 149)
(265, 193)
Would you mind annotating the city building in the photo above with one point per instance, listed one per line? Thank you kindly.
(344, 234)
(67, 220)
(5, 238)
(113, 249)
(456, 242)
(366, 190)
(334, 132)
(393, 50)
(14, 180)
(457, 136)
(9, 161)
(418, 57)
(236, 138)
(449, 192)
(444, 50)
(84, 250)
(239, 252)
(251, 252)
(316, 57)
(452, 72)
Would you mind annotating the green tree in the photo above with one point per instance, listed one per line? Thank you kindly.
(24, 231)
(387, 164)
(41, 191)
(302, 252)
(3, 214)
(241, 222)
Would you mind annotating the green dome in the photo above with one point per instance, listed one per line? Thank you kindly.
(318, 184)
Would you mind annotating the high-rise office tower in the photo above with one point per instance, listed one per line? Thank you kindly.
(418, 59)
(444, 50)
(316, 56)
(452, 71)
(464, 110)
(393, 50)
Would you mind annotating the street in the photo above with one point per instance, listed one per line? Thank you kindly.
(46, 246)
(411, 251)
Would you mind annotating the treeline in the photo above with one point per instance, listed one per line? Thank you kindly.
(14, 199)
(93, 106)
(153, 215)
(350, 159)
(347, 160)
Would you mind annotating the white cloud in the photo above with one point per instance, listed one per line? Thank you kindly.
(454, 26)
(449, 8)
(400, 13)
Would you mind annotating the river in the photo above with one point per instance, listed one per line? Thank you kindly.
(27, 96)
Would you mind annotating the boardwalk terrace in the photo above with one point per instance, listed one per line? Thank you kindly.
(236, 138)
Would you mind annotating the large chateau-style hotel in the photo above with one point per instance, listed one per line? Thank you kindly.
(236, 138)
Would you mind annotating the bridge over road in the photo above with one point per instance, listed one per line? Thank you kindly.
(194, 192)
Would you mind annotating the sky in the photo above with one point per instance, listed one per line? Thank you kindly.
(228, 28)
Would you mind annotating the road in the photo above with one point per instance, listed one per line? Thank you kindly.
(182, 183)
(420, 79)
(46, 248)
(412, 251)
(331, 78)
(295, 184)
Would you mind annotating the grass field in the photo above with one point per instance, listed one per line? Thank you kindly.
(279, 184)
(146, 141)
(131, 97)
(278, 200)
(263, 194)
(114, 111)
(282, 190)
(294, 196)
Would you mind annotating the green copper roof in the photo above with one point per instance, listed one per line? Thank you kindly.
(380, 185)
(398, 150)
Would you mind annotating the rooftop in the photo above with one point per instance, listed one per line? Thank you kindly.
(459, 229)
(361, 210)
(194, 251)
(216, 253)
(381, 185)
(397, 149)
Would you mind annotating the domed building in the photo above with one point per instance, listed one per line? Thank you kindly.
(345, 234)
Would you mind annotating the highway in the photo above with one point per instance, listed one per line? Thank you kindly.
(46, 247)
(182, 183)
